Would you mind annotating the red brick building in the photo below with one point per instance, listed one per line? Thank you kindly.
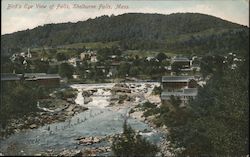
(172, 83)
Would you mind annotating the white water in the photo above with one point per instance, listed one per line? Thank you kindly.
(99, 120)
(100, 98)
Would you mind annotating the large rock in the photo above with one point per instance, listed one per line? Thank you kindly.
(95, 140)
(80, 109)
(86, 93)
(70, 108)
(89, 140)
(65, 153)
(38, 154)
(121, 88)
(33, 126)
(71, 113)
(77, 153)
(114, 98)
(87, 100)
(86, 141)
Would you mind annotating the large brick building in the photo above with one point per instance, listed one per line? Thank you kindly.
(182, 62)
(172, 83)
(183, 87)
(39, 78)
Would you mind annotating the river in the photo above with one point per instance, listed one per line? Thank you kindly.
(100, 120)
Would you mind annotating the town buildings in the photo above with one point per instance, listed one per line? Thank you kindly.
(183, 87)
(43, 79)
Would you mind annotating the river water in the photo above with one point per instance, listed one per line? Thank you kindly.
(100, 120)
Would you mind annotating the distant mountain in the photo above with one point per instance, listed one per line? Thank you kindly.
(179, 32)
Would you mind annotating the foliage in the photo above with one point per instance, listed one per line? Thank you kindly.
(17, 99)
(123, 69)
(65, 70)
(60, 56)
(156, 90)
(67, 93)
(161, 56)
(216, 122)
(132, 144)
(198, 33)
(147, 105)
(151, 111)
(40, 66)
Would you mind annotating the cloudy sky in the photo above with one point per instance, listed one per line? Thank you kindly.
(25, 14)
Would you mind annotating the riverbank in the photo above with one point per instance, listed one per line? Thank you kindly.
(139, 114)
(133, 96)
(58, 111)
(89, 132)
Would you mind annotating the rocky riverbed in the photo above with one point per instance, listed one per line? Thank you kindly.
(89, 132)
(57, 113)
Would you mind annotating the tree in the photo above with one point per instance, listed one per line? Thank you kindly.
(161, 56)
(132, 144)
(134, 71)
(60, 56)
(123, 69)
(216, 123)
(17, 99)
(176, 68)
(66, 70)
(41, 66)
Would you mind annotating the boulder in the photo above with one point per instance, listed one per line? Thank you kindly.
(33, 126)
(70, 100)
(70, 108)
(86, 93)
(93, 91)
(77, 153)
(148, 85)
(38, 154)
(65, 153)
(87, 100)
(120, 89)
(95, 140)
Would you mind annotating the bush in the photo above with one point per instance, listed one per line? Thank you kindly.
(17, 100)
(132, 144)
(147, 105)
(156, 90)
(151, 112)
(132, 111)
(67, 93)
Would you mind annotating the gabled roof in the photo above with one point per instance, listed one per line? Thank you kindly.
(9, 77)
(43, 76)
(28, 76)
(33, 74)
(184, 92)
(180, 59)
(177, 78)
(49, 76)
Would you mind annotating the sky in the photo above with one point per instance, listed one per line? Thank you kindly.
(20, 15)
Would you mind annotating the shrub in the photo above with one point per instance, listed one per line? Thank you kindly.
(132, 144)
(156, 90)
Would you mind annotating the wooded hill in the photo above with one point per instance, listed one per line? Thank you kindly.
(180, 32)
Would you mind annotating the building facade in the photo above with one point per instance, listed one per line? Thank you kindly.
(183, 87)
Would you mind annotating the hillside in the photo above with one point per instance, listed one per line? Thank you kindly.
(178, 32)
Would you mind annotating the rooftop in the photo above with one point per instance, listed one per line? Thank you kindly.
(27, 76)
(9, 77)
(180, 59)
(177, 78)
(33, 74)
(184, 92)
(47, 76)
